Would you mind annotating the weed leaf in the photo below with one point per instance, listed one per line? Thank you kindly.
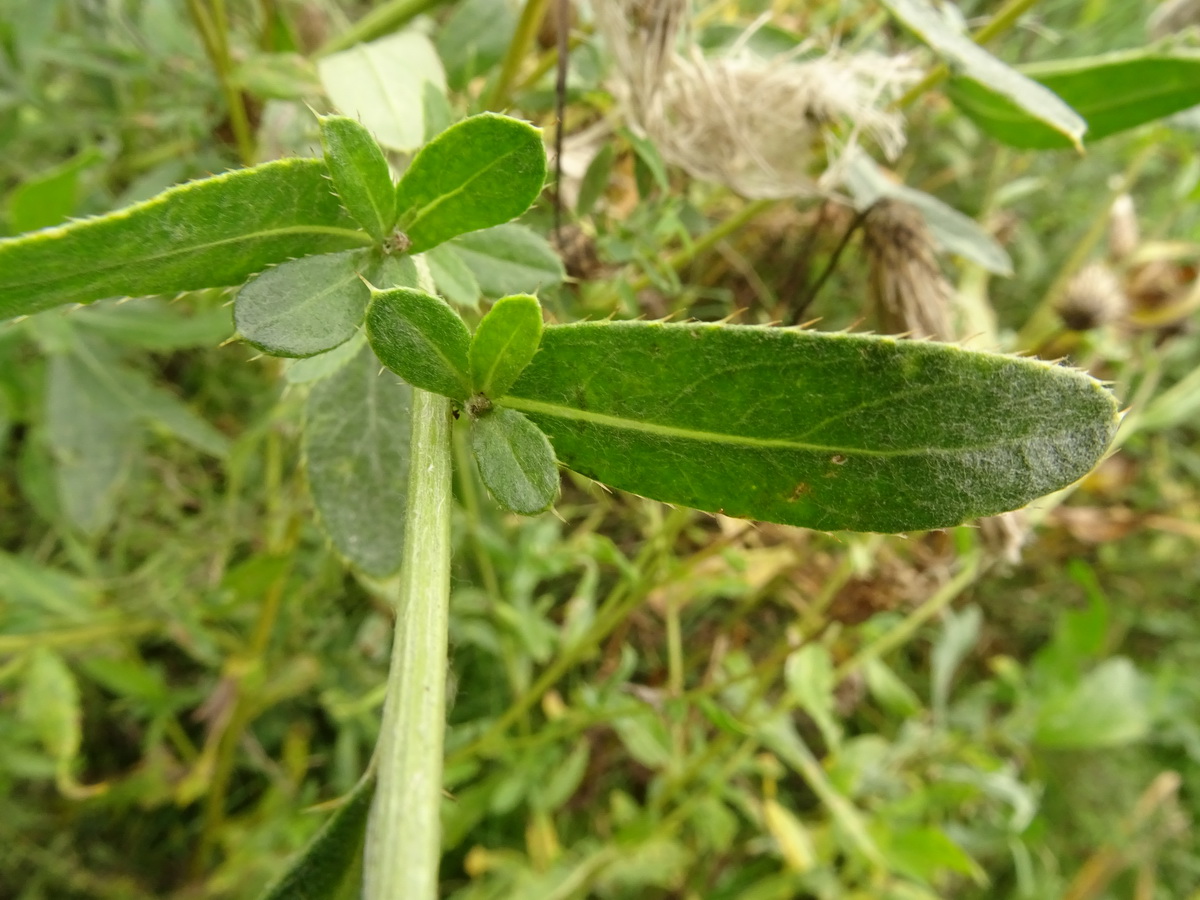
(510, 259)
(420, 338)
(325, 867)
(827, 431)
(360, 174)
(971, 60)
(356, 451)
(210, 233)
(504, 343)
(481, 172)
(515, 461)
(304, 306)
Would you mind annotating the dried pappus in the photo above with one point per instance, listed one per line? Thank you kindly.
(1094, 297)
(751, 124)
(907, 288)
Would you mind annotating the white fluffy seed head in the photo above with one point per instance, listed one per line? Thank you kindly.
(759, 126)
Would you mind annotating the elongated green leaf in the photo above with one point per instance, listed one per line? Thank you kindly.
(420, 338)
(510, 259)
(1114, 93)
(382, 84)
(827, 431)
(356, 452)
(210, 233)
(973, 61)
(324, 867)
(93, 441)
(515, 461)
(304, 306)
(453, 278)
(481, 172)
(504, 343)
(360, 174)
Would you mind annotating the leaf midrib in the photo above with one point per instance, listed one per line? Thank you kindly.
(714, 437)
(431, 207)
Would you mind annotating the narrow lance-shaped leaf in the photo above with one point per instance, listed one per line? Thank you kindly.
(360, 174)
(324, 867)
(356, 451)
(504, 343)
(973, 61)
(515, 461)
(420, 338)
(481, 172)
(210, 233)
(1114, 93)
(827, 431)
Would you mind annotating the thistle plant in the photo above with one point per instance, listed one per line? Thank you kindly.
(825, 431)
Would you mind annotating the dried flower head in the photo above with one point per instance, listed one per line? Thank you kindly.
(754, 125)
(907, 288)
(1094, 297)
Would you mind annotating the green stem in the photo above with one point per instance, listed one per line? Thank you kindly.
(1004, 19)
(383, 19)
(518, 49)
(214, 35)
(402, 849)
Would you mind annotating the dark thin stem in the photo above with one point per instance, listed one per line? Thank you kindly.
(811, 294)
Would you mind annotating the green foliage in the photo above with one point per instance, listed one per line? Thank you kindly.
(504, 343)
(420, 338)
(481, 172)
(360, 175)
(356, 455)
(515, 461)
(327, 868)
(1114, 93)
(978, 66)
(305, 306)
(209, 233)
(825, 431)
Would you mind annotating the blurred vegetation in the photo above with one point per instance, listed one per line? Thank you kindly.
(648, 702)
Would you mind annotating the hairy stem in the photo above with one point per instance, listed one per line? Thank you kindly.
(402, 849)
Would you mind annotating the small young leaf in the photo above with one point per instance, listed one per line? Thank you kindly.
(420, 338)
(50, 704)
(210, 233)
(510, 259)
(827, 431)
(515, 460)
(360, 174)
(304, 306)
(327, 863)
(356, 452)
(1040, 103)
(504, 343)
(481, 172)
(454, 279)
